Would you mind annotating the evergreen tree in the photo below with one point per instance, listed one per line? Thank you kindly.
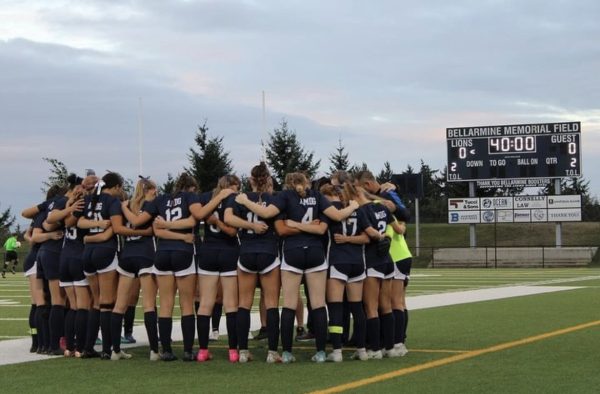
(356, 168)
(58, 174)
(167, 187)
(285, 154)
(210, 161)
(7, 219)
(385, 175)
(339, 159)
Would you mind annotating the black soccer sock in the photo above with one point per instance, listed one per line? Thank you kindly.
(203, 326)
(165, 327)
(387, 328)
(46, 325)
(216, 316)
(150, 321)
(116, 322)
(93, 326)
(336, 329)
(398, 326)
(188, 329)
(70, 329)
(33, 326)
(243, 327)
(57, 325)
(39, 326)
(287, 328)
(373, 332)
(345, 320)
(273, 328)
(232, 338)
(105, 329)
(81, 322)
(405, 325)
(360, 324)
(320, 328)
(128, 320)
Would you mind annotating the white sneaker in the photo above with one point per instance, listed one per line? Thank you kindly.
(391, 353)
(401, 349)
(335, 356)
(360, 354)
(154, 356)
(121, 355)
(214, 335)
(245, 356)
(378, 355)
(273, 357)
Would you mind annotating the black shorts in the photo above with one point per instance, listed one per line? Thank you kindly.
(98, 260)
(304, 260)
(174, 262)
(133, 266)
(403, 270)
(218, 261)
(29, 266)
(381, 271)
(71, 272)
(48, 265)
(348, 273)
(11, 255)
(258, 263)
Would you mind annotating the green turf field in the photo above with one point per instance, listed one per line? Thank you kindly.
(536, 343)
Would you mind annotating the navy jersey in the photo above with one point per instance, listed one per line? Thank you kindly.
(173, 208)
(106, 207)
(347, 253)
(213, 236)
(252, 242)
(73, 240)
(50, 245)
(33, 250)
(138, 246)
(304, 210)
(378, 217)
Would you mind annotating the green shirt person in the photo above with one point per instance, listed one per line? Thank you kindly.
(10, 246)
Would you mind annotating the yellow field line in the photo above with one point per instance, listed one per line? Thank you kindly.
(453, 359)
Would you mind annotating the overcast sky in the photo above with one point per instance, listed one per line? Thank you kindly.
(387, 77)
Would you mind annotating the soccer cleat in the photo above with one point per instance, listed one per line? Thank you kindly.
(90, 354)
(168, 356)
(128, 339)
(378, 355)
(154, 356)
(105, 356)
(360, 354)
(203, 355)
(273, 357)
(189, 356)
(234, 356)
(121, 355)
(304, 336)
(287, 358)
(401, 349)
(33, 349)
(56, 352)
(77, 354)
(214, 335)
(262, 334)
(68, 353)
(245, 356)
(335, 356)
(319, 357)
(391, 353)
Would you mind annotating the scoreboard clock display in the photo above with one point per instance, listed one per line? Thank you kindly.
(541, 150)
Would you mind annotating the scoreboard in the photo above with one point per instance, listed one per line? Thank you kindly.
(523, 151)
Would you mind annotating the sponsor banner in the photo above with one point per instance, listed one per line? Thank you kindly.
(522, 215)
(564, 215)
(529, 202)
(504, 216)
(571, 201)
(463, 204)
(532, 182)
(458, 217)
(539, 215)
(488, 216)
(497, 203)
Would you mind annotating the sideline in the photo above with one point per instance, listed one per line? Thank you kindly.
(453, 359)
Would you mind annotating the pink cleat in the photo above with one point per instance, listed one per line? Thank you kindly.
(203, 355)
(234, 356)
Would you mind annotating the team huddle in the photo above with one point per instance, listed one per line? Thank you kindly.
(92, 247)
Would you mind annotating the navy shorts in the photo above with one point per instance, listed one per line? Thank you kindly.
(304, 260)
(71, 271)
(381, 271)
(11, 255)
(218, 261)
(258, 263)
(348, 273)
(134, 266)
(29, 266)
(174, 262)
(48, 265)
(98, 260)
(403, 270)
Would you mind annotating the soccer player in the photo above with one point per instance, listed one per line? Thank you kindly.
(10, 246)
(303, 254)
(258, 260)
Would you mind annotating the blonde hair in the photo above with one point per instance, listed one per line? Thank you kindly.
(139, 194)
(297, 181)
(225, 182)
